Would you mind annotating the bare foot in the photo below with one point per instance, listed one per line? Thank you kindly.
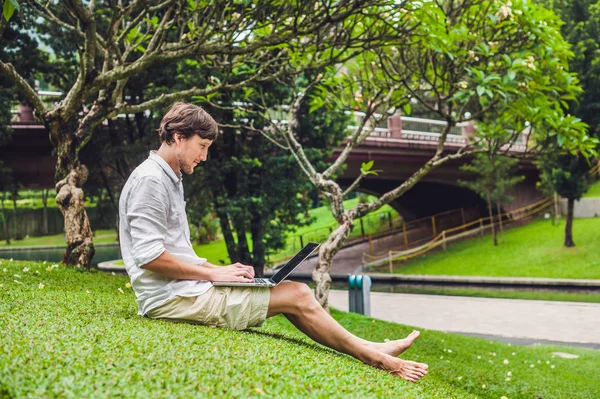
(410, 371)
(394, 348)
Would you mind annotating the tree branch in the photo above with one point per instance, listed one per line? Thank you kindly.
(9, 72)
(353, 185)
(363, 209)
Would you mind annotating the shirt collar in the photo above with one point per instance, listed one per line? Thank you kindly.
(165, 166)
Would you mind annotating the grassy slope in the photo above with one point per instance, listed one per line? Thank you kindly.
(535, 250)
(594, 191)
(80, 337)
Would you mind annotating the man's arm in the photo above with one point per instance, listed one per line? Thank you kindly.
(170, 266)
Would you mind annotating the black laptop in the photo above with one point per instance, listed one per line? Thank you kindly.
(281, 274)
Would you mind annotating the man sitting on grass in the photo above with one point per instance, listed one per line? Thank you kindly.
(171, 282)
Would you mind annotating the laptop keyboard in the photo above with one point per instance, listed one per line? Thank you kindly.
(262, 281)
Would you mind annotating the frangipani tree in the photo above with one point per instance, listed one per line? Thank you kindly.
(111, 42)
(479, 57)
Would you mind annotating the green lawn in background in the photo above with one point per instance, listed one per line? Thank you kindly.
(58, 240)
(79, 336)
(215, 252)
(594, 191)
(37, 203)
(534, 250)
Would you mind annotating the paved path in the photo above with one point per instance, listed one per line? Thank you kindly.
(348, 259)
(561, 322)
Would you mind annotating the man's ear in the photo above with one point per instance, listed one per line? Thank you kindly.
(179, 137)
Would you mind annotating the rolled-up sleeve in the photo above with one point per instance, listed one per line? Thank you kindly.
(147, 210)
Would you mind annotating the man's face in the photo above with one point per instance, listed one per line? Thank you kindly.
(191, 151)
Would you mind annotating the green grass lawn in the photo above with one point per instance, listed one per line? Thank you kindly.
(79, 336)
(216, 252)
(37, 203)
(57, 240)
(534, 250)
(594, 190)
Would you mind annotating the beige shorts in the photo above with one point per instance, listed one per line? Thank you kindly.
(230, 307)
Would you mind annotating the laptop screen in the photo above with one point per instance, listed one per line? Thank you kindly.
(295, 261)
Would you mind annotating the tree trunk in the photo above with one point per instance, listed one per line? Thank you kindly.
(258, 247)
(78, 232)
(327, 251)
(113, 200)
(500, 221)
(556, 208)
(227, 234)
(5, 220)
(45, 193)
(489, 201)
(243, 250)
(17, 235)
(569, 224)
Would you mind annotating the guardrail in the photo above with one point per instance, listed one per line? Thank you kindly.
(453, 234)
(377, 224)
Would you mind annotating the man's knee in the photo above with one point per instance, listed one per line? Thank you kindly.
(304, 297)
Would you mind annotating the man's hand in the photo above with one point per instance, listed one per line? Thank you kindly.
(236, 272)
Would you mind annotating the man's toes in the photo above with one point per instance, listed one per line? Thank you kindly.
(422, 366)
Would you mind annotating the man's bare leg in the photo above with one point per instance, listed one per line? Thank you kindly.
(297, 302)
(392, 347)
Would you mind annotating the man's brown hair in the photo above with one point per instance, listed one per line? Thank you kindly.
(187, 119)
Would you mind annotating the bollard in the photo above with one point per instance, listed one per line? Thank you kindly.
(359, 294)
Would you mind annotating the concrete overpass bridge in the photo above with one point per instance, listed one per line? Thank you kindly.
(398, 150)
(405, 145)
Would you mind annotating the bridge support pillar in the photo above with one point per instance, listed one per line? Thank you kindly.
(395, 125)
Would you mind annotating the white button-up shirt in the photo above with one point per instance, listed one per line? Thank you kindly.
(152, 219)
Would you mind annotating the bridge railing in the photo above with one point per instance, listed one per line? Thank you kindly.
(427, 131)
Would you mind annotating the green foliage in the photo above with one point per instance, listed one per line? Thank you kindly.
(581, 29)
(564, 174)
(496, 177)
(79, 336)
(10, 6)
(255, 187)
(495, 61)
